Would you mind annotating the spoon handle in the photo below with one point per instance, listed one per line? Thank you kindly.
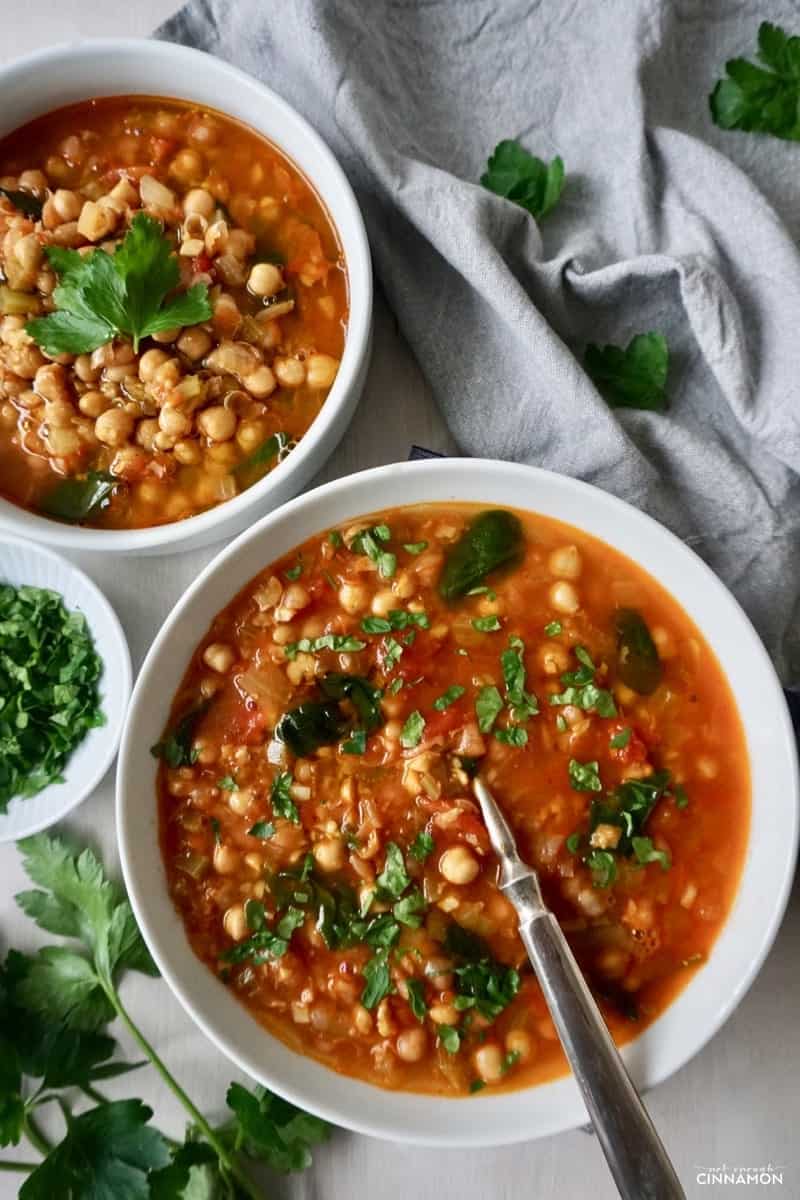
(638, 1161)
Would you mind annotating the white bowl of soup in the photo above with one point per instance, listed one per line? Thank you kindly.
(165, 398)
(304, 854)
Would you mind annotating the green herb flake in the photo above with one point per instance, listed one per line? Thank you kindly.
(393, 879)
(449, 697)
(412, 731)
(449, 1038)
(216, 829)
(603, 867)
(367, 543)
(620, 740)
(561, 723)
(227, 783)
(335, 538)
(262, 829)
(513, 735)
(477, 1085)
(645, 852)
(377, 980)
(415, 547)
(294, 572)
(356, 743)
(338, 642)
(553, 629)
(49, 689)
(680, 796)
(280, 796)
(486, 624)
(519, 176)
(488, 706)
(102, 296)
(522, 704)
(584, 777)
(635, 377)
(511, 1059)
(416, 998)
(422, 846)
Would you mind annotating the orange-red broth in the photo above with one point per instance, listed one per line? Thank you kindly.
(639, 940)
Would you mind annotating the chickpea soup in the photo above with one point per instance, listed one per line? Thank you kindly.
(319, 833)
(173, 307)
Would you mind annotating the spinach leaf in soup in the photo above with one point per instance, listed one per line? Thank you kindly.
(638, 663)
(76, 499)
(493, 540)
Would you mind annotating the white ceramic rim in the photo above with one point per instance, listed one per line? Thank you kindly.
(712, 994)
(102, 740)
(330, 422)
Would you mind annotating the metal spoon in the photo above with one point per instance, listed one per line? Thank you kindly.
(634, 1152)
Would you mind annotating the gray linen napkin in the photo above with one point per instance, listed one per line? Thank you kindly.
(656, 229)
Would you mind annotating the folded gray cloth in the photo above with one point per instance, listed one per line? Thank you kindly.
(656, 229)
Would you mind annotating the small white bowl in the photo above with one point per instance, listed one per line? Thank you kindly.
(23, 563)
(66, 74)
(711, 995)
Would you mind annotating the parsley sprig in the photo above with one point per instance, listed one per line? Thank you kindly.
(633, 377)
(519, 176)
(102, 296)
(54, 1007)
(762, 99)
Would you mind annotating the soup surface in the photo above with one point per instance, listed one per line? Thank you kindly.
(112, 413)
(319, 832)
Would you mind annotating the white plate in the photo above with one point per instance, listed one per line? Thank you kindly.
(23, 563)
(712, 994)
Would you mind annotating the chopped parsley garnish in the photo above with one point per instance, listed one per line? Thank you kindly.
(488, 624)
(422, 845)
(482, 983)
(368, 542)
(488, 706)
(449, 1037)
(335, 538)
(415, 547)
(603, 867)
(409, 909)
(513, 735)
(584, 777)
(216, 829)
(553, 628)
(620, 740)
(342, 643)
(561, 723)
(393, 879)
(523, 178)
(280, 795)
(762, 99)
(645, 852)
(264, 944)
(449, 697)
(581, 690)
(397, 619)
(262, 829)
(377, 980)
(510, 1060)
(679, 796)
(227, 783)
(294, 572)
(103, 296)
(177, 748)
(635, 377)
(416, 998)
(522, 704)
(412, 731)
(392, 652)
(49, 693)
(356, 743)
(396, 686)
(477, 1085)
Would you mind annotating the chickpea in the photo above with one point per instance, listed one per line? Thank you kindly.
(563, 597)
(150, 491)
(296, 597)
(240, 243)
(321, 370)
(226, 860)
(488, 1060)
(195, 343)
(250, 434)
(217, 423)
(265, 279)
(174, 422)
(383, 602)
(519, 1042)
(260, 383)
(443, 1014)
(553, 658)
(187, 166)
(146, 433)
(459, 865)
(329, 854)
(440, 972)
(32, 181)
(188, 454)
(565, 562)
(411, 1045)
(291, 372)
(59, 414)
(50, 382)
(353, 597)
(8, 415)
(84, 370)
(199, 201)
(219, 657)
(707, 767)
(114, 427)
(167, 336)
(129, 463)
(149, 363)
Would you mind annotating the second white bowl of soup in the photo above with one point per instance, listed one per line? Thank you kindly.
(306, 861)
(162, 402)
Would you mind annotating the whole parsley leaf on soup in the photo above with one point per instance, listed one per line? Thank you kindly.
(519, 176)
(102, 296)
(633, 377)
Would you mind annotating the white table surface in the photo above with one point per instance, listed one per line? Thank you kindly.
(736, 1103)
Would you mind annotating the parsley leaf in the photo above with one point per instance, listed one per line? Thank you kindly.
(415, 547)
(513, 735)
(272, 1130)
(412, 731)
(582, 691)
(488, 706)
(393, 879)
(422, 845)
(356, 743)
(584, 777)
(100, 296)
(368, 542)
(449, 1037)
(262, 829)
(377, 980)
(645, 852)
(408, 911)
(553, 628)
(762, 99)
(227, 783)
(49, 696)
(488, 624)
(448, 697)
(106, 1152)
(634, 377)
(522, 704)
(603, 866)
(519, 176)
(341, 643)
(280, 797)
(177, 748)
(620, 740)
(416, 998)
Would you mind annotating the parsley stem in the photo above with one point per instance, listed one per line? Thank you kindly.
(93, 1094)
(230, 1164)
(12, 1165)
(35, 1135)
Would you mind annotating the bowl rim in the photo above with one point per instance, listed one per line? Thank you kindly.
(179, 535)
(365, 1114)
(121, 682)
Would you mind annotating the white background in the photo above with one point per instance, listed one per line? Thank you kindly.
(738, 1102)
